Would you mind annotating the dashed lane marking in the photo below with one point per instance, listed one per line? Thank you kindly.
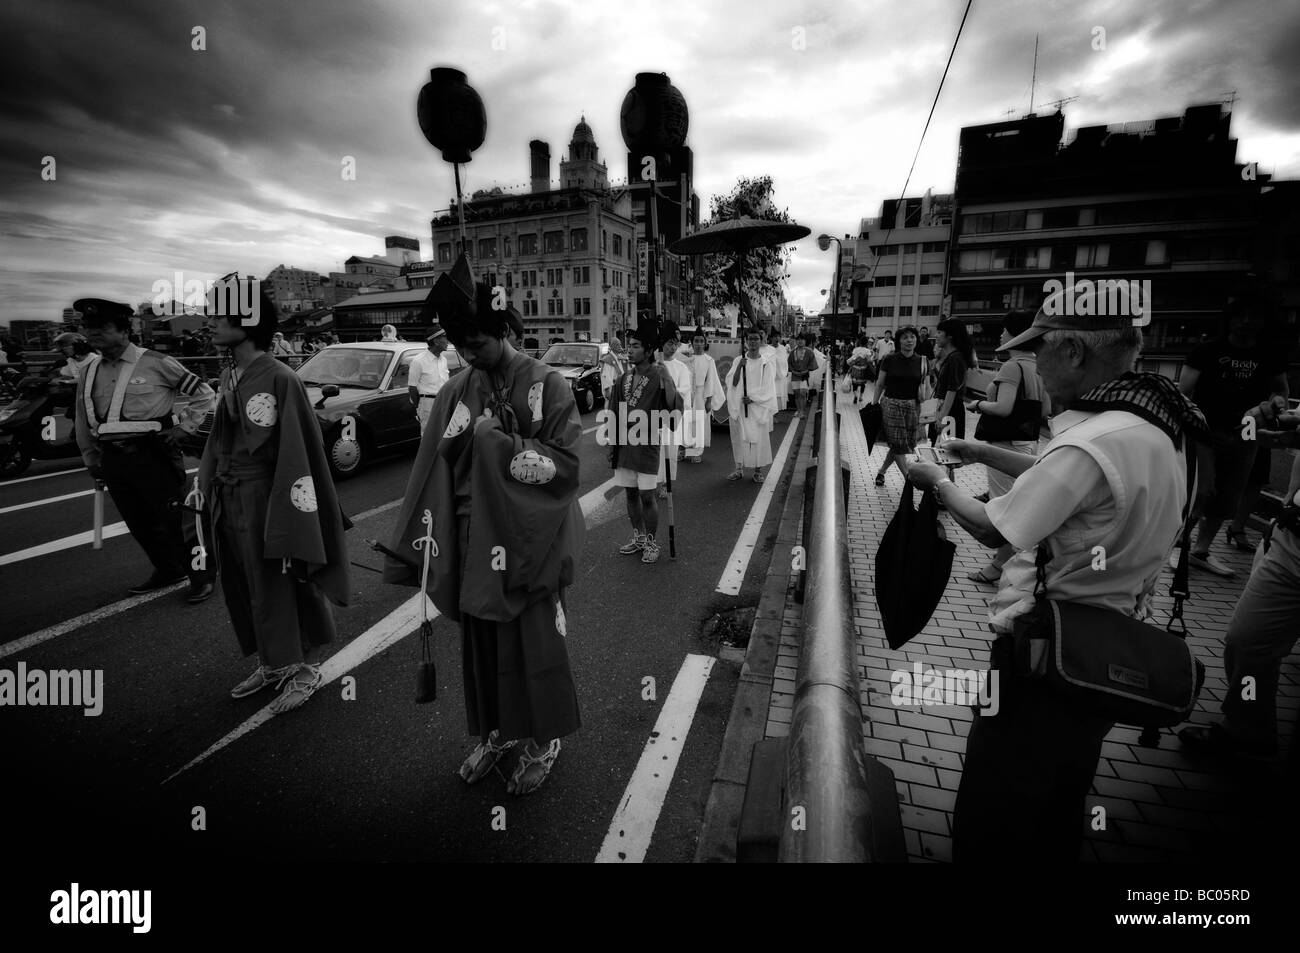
(638, 810)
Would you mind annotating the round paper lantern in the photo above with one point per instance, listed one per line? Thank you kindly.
(654, 117)
(451, 114)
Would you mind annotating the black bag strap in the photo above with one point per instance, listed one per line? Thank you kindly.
(1179, 588)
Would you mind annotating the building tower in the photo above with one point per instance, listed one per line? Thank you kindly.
(583, 169)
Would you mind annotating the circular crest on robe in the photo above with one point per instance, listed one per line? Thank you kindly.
(529, 466)
(459, 421)
(561, 626)
(261, 410)
(303, 494)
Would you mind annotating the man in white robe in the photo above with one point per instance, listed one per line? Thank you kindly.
(706, 396)
(775, 349)
(751, 404)
(673, 444)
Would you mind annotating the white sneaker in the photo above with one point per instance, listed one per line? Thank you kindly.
(633, 545)
(650, 550)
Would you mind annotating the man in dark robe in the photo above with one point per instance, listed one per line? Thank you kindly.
(495, 486)
(279, 543)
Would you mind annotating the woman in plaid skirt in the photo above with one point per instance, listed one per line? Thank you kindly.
(897, 387)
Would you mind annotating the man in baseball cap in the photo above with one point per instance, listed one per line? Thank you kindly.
(1053, 316)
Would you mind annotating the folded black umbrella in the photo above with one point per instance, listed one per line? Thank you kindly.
(913, 566)
(873, 421)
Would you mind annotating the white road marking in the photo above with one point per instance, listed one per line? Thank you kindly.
(377, 510)
(58, 545)
(52, 499)
(638, 810)
(388, 631)
(88, 618)
(592, 498)
(733, 576)
(57, 473)
(385, 633)
(41, 476)
(591, 430)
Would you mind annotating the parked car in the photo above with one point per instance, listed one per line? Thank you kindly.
(579, 362)
(366, 381)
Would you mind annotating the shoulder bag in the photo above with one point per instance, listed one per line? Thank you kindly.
(1022, 424)
(1109, 664)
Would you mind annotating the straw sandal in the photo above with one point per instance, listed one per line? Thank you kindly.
(546, 759)
(484, 758)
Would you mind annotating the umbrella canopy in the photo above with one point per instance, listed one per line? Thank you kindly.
(737, 235)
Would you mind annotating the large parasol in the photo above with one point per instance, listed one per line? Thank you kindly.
(737, 236)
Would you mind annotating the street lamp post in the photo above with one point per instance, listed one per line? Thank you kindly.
(824, 242)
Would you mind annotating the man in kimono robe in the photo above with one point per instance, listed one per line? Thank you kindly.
(706, 396)
(751, 404)
(612, 367)
(279, 545)
(635, 428)
(495, 486)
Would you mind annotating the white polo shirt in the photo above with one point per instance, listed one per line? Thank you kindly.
(1106, 479)
(428, 373)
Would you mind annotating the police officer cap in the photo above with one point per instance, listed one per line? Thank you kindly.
(95, 311)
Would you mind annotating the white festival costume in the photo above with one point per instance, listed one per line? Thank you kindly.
(781, 354)
(681, 375)
(751, 445)
(705, 385)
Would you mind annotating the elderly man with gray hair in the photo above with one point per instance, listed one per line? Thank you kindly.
(1114, 475)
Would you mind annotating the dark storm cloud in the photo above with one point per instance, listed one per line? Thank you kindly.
(230, 158)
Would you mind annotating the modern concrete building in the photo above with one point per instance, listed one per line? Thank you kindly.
(899, 264)
(1164, 201)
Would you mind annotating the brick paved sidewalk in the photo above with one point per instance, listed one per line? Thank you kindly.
(1160, 804)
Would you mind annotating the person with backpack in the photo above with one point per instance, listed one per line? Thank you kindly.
(802, 363)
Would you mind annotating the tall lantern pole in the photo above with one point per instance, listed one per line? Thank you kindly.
(453, 119)
(653, 120)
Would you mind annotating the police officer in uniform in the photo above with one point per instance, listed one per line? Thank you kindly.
(124, 418)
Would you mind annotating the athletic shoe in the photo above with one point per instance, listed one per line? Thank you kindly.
(736, 474)
(633, 545)
(298, 688)
(1212, 564)
(260, 679)
(650, 551)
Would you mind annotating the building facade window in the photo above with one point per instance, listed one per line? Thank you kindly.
(931, 247)
(932, 279)
(505, 242)
(487, 248)
(1092, 256)
(908, 249)
(907, 280)
(578, 239)
(604, 242)
(883, 281)
(554, 243)
(887, 311)
(618, 251)
(924, 311)
(528, 244)
(904, 311)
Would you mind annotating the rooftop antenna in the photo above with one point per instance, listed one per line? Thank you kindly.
(1033, 81)
(1058, 103)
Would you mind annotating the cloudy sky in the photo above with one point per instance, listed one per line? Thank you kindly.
(205, 162)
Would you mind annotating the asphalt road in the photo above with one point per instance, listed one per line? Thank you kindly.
(372, 777)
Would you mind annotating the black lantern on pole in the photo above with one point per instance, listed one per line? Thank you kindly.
(453, 119)
(653, 120)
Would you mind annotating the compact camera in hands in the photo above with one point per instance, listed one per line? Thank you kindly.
(939, 455)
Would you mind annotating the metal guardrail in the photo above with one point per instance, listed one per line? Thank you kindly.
(826, 768)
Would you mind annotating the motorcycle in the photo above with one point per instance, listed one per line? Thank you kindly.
(38, 424)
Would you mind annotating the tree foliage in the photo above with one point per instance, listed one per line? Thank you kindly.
(765, 268)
